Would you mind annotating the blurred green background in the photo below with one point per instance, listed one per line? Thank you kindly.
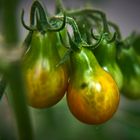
(57, 123)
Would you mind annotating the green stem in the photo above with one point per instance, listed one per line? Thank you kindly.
(19, 105)
(10, 22)
(12, 71)
(89, 12)
(42, 15)
(76, 31)
(77, 36)
(116, 28)
(73, 24)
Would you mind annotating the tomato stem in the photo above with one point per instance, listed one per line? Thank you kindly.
(42, 15)
(77, 36)
(11, 68)
(9, 20)
(116, 28)
(19, 103)
(30, 28)
(89, 12)
(76, 31)
(111, 39)
(43, 23)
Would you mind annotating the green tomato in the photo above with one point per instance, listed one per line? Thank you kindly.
(45, 81)
(130, 66)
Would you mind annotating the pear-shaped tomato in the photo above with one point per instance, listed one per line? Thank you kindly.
(92, 95)
(130, 66)
(106, 56)
(46, 82)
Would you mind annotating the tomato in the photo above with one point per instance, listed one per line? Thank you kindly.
(130, 66)
(92, 95)
(46, 82)
(106, 56)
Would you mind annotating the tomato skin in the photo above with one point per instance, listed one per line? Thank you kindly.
(106, 56)
(46, 83)
(93, 95)
(130, 66)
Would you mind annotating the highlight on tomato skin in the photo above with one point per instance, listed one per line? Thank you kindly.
(45, 81)
(92, 96)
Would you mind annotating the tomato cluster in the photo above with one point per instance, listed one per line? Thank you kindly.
(91, 69)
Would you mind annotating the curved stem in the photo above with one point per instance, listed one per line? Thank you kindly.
(43, 23)
(74, 26)
(77, 35)
(32, 14)
(89, 12)
(116, 28)
(117, 32)
(113, 38)
(36, 7)
(59, 28)
(96, 44)
(72, 43)
(42, 14)
(23, 23)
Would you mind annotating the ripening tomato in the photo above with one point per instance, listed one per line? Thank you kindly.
(46, 82)
(92, 95)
